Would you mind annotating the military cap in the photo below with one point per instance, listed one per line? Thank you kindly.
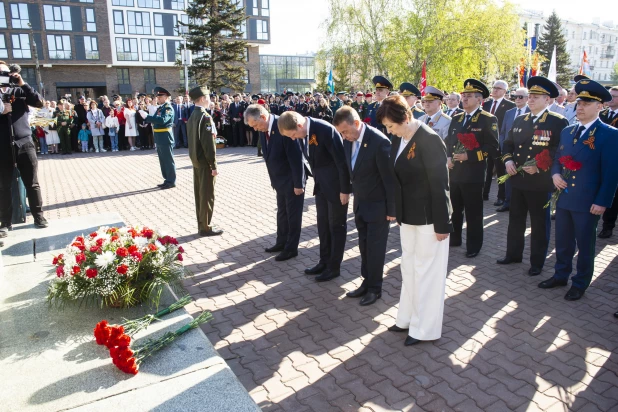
(542, 85)
(431, 93)
(255, 97)
(141, 95)
(338, 93)
(290, 93)
(382, 82)
(580, 77)
(198, 92)
(276, 94)
(160, 90)
(369, 95)
(359, 94)
(308, 94)
(408, 89)
(328, 93)
(115, 97)
(261, 101)
(475, 86)
(591, 91)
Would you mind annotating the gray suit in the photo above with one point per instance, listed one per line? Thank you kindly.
(556, 108)
(507, 125)
(569, 112)
(440, 125)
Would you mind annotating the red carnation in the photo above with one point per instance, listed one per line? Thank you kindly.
(58, 259)
(79, 239)
(100, 242)
(122, 269)
(75, 270)
(367, 120)
(60, 271)
(152, 247)
(122, 252)
(91, 273)
(102, 332)
(79, 245)
(543, 160)
(95, 249)
(468, 141)
(132, 249)
(181, 249)
(114, 238)
(80, 258)
(93, 234)
(570, 164)
(179, 257)
(147, 233)
(115, 333)
(137, 256)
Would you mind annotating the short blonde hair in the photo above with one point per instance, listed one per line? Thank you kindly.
(289, 121)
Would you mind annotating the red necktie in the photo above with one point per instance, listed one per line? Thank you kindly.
(267, 137)
(493, 107)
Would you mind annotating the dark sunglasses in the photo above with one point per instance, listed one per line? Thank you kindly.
(519, 97)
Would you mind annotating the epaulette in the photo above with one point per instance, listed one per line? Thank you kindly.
(416, 109)
(558, 115)
(487, 113)
(458, 114)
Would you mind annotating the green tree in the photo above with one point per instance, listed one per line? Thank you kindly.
(553, 35)
(214, 36)
(614, 77)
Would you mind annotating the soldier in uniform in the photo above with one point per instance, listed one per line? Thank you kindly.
(610, 116)
(162, 122)
(64, 121)
(411, 93)
(201, 138)
(468, 168)
(530, 135)
(335, 102)
(359, 105)
(383, 87)
(587, 192)
(434, 117)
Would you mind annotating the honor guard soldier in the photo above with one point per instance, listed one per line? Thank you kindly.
(610, 116)
(411, 93)
(532, 134)
(383, 86)
(586, 192)
(434, 117)
(468, 167)
(359, 105)
(162, 122)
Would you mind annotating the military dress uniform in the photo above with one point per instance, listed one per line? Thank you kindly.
(529, 136)
(64, 132)
(467, 177)
(336, 104)
(359, 107)
(440, 121)
(379, 82)
(611, 213)
(162, 122)
(408, 89)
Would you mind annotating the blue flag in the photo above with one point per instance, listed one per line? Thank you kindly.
(331, 82)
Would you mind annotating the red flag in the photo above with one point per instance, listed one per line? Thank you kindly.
(423, 79)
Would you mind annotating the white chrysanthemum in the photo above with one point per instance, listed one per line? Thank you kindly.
(160, 246)
(69, 261)
(72, 250)
(105, 259)
(123, 230)
(140, 241)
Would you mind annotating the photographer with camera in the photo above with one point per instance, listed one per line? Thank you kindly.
(16, 146)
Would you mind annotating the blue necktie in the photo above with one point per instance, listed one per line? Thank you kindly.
(355, 150)
(580, 130)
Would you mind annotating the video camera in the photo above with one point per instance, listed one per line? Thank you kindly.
(6, 80)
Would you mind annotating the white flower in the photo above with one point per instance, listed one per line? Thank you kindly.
(123, 230)
(160, 247)
(140, 241)
(105, 259)
(70, 261)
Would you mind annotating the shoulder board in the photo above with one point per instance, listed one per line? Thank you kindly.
(458, 114)
(604, 111)
(416, 109)
(558, 115)
(487, 113)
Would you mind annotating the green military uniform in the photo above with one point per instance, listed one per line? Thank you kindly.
(64, 132)
(360, 108)
(162, 122)
(336, 104)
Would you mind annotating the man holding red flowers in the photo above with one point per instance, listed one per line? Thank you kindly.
(530, 136)
(586, 192)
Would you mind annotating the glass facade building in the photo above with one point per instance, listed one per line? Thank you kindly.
(296, 73)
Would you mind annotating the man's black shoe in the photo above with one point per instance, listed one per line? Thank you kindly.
(316, 270)
(370, 298)
(327, 275)
(454, 242)
(507, 260)
(41, 223)
(534, 271)
(276, 248)
(259, 153)
(286, 255)
(411, 341)
(362, 291)
(4, 229)
(574, 294)
(503, 208)
(211, 232)
(605, 234)
(616, 315)
(1, 243)
(552, 283)
(499, 202)
(471, 254)
(168, 186)
(162, 184)
(396, 328)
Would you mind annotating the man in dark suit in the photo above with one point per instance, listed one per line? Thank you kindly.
(498, 106)
(367, 153)
(610, 116)
(521, 107)
(180, 125)
(235, 115)
(324, 158)
(452, 103)
(284, 162)
(531, 135)
(468, 168)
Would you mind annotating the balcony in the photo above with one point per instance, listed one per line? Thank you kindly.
(610, 52)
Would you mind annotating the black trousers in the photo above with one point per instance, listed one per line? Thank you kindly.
(28, 165)
(609, 217)
(332, 230)
(289, 218)
(372, 238)
(490, 172)
(524, 202)
(468, 197)
(500, 171)
(237, 134)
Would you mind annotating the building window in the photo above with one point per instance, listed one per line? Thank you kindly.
(149, 76)
(59, 47)
(2, 16)
(126, 49)
(21, 46)
(246, 77)
(246, 54)
(265, 8)
(149, 4)
(118, 22)
(255, 10)
(138, 22)
(159, 30)
(123, 76)
(177, 49)
(152, 50)
(29, 75)
(91, 24)
(178, 4)
(4, 53)
(57, 17)
(262, 29)
(19, 16)
(86, 1)
(126, 3)
(92, 48)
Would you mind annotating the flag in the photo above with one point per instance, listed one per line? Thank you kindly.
(585, 67)
(331, 82)
(423, 79)
(551, 74)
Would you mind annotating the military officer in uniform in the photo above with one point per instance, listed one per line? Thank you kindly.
(610, 116)
(162, 122)
(201, 134)
(587, 192)
(383, 86)
(468, 168)
(411, 93)
(359, 105)
(530, 135)
(336, 102)
(434, 117)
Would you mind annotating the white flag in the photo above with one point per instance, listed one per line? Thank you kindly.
(551, 75)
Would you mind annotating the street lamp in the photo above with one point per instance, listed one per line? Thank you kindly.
(36, 62)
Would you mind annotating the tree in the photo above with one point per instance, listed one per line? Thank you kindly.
(553, 35)
(614, 77)
(214, 36)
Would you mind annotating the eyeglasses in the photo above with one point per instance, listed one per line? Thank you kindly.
(519, 97)
(498, 88)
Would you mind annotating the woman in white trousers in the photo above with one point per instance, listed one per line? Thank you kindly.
(423, 210)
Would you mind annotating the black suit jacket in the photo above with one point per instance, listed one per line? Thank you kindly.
(284, 160)
(373, 182)
(457, 111)
(503, 107)
(484, 126)
(235, 112)
(422, 192)
(327, 160)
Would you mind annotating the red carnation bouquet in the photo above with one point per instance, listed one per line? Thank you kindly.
(568, 165)
(542, 160)
(466, 142)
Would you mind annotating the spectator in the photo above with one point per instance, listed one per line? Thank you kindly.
(41, 134)
(84, 136)
(111, 122)
(323, 111)
(106, 109)
(130, 129)
(122, 140)
(143, 129)
(96, 121)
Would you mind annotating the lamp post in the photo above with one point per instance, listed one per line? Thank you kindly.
(36, 62)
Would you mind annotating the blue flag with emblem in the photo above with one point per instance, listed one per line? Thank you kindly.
(331, 82)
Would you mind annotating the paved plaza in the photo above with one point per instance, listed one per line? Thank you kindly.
(297, 345)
